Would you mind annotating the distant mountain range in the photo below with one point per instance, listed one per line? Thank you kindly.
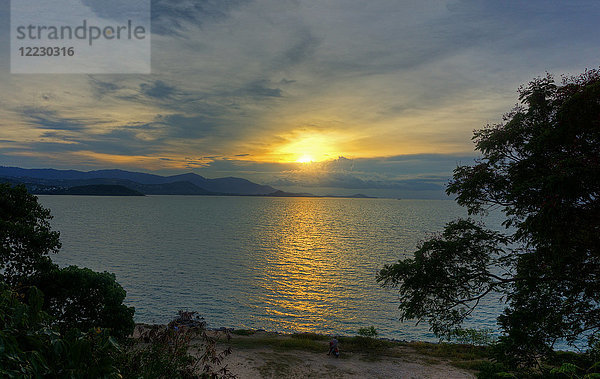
(127, 183)
(50, 181)
(98, 190)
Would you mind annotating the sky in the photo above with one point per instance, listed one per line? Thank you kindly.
(328, 96)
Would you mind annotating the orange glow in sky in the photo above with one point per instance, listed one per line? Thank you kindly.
(305, 159)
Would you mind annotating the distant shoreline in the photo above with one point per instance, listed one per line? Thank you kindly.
(117, 190)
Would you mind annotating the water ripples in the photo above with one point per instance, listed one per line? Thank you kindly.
(283, 264)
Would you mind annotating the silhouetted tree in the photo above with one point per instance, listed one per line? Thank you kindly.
(26, 239)
(76, 298)
(541, 168)
(80, 298)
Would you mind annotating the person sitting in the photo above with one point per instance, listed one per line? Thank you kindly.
(333, 347)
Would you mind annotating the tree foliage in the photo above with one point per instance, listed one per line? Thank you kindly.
(75, 297)
(81, 298)
(447, 276)
(541, 168)
(31, 347)
(26, 239)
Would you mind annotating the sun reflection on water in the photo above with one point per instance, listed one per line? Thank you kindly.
(281, 264)
(309, 277)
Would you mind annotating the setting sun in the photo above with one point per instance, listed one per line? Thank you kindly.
(305, 159)
(302, 147)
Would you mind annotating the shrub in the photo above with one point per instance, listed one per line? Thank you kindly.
(474, 337)
(30, 347)
(368, 332)
(171, 351)
(79, 298)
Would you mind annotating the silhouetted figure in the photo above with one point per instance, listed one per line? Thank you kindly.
(333, 347)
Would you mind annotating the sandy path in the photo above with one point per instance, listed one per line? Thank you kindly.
(266, 363)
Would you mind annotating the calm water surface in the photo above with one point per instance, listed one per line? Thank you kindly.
(280, 264)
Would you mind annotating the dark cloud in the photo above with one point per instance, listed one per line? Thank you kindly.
(258, 89)
(118, 10)
(223, 102)
(252, 91)
(54, 147)
(59, 134)
(169, 17)
(157, 89)
(101, 88)
(301, 49)
(154, 92)
(48, 119)
(116, 141)
(185, 126)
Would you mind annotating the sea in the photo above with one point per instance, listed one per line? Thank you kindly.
(278, 264)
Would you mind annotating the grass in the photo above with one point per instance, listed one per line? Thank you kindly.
(277, 365)
(450, 351)
(362, 344)
(311, 342)
(276, 342)
(365, 348)
(243, 332)
(468, 357)
(310, 336)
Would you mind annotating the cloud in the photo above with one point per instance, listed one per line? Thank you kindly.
(169, 17)
(257, 89)
(157, 89)
(302, 48)
(367, 174)
(182, 126)
(414, 176)
(101, 88)
(354, 182)
(49, 119)
(395, 87)
(117, 10)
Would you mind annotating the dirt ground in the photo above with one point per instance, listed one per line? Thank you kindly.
(266, 362)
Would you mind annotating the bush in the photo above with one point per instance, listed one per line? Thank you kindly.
(79, 298)
(490, 370)
(368, 332)
(474, 337)
(30, 347)
(163, 352)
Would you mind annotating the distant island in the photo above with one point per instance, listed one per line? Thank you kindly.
(292, 194)
(98, 190)
(127, 183)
